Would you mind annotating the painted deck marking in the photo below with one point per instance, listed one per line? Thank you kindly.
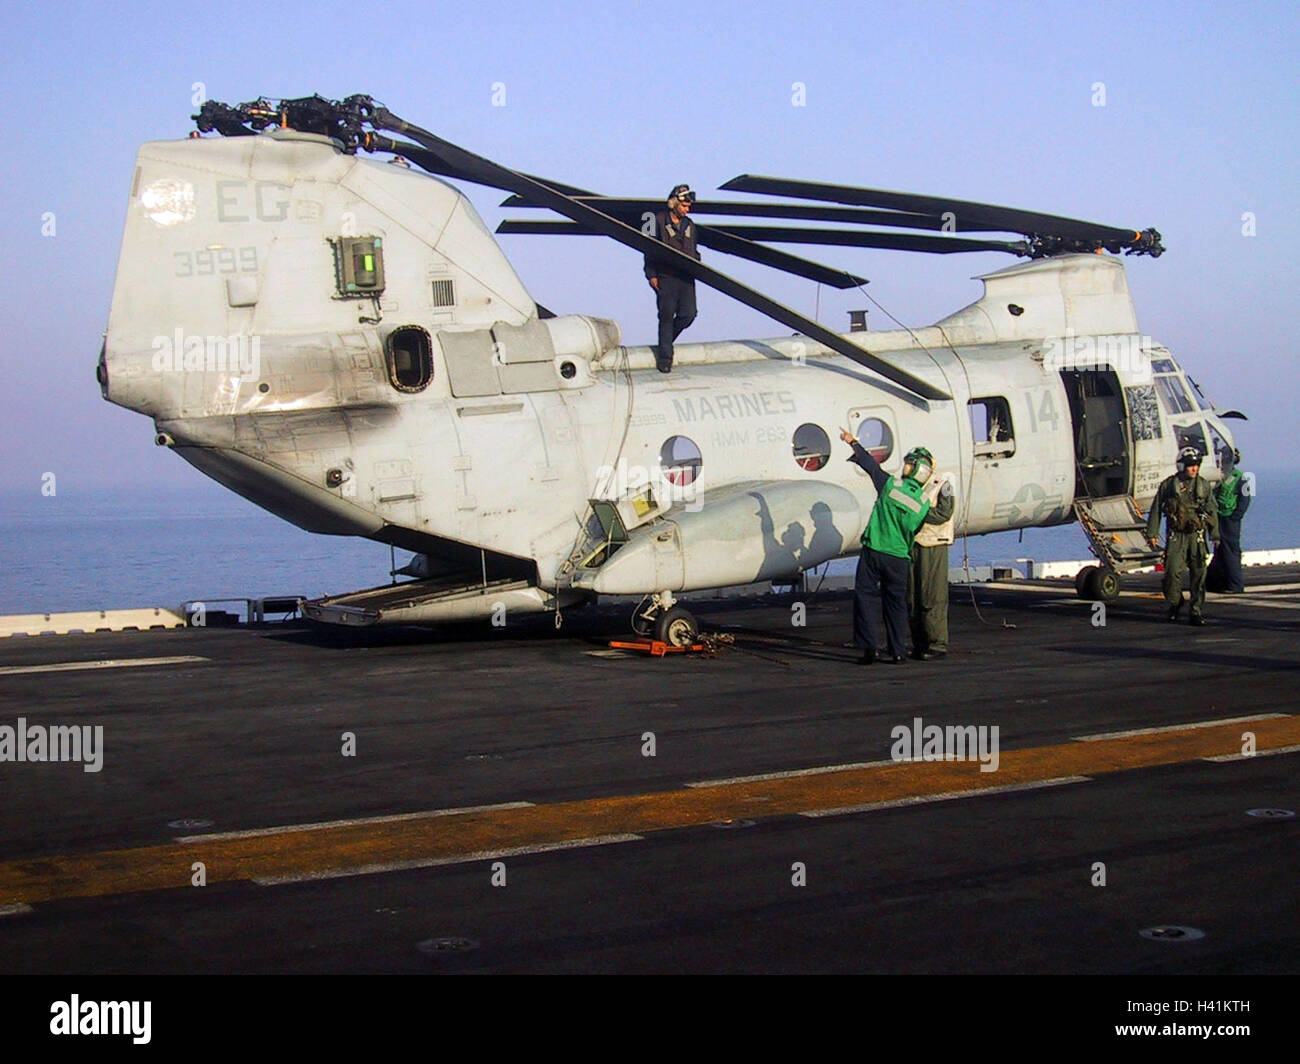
(420, 840)
(106, 663)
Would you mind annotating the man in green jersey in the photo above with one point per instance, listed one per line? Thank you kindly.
(886, 550)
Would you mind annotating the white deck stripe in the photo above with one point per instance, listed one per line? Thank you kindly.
(433, 862)
(947, 796)
(21, 909)
(106, 663)
(397, 818)
(789, 775)
(1176, 727)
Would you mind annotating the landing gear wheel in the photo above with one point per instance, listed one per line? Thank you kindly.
(1101, 584)
(1105, 585)
(1082, 580)
(677, 627)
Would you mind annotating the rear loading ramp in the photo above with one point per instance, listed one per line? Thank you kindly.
(432, 601)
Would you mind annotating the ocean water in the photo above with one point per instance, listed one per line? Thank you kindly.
(124, 549)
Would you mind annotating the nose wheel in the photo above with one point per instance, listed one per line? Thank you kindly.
(677, 627)
(659, 617)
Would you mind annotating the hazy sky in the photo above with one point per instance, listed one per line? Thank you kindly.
(992, 102)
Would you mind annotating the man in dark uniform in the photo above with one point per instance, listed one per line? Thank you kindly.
(675, 290)
(1233, 499)
(1187, 504)
(886, 550)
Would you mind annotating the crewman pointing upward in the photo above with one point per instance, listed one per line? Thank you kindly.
(885, 561)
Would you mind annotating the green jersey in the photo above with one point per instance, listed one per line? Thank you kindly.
(897, 515)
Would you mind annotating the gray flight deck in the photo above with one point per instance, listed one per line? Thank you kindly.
(251, 736)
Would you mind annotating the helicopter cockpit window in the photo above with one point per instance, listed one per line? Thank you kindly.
(1191, 436)
(991, 428)
(681, 460)
(876, 438)
(1219, 448)
(1173, 395)
(1163, 365)
(409, 354)
(812, 447)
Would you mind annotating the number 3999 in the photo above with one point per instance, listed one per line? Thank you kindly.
(208, 261)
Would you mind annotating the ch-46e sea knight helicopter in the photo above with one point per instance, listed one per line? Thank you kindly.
(342, 342)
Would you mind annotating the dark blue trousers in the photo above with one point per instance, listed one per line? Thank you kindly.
(676, 298)
(881, 580)
(1225, 568)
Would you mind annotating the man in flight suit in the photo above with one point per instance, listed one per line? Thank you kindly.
(927, 588)
(675, 290)
(886, 550)
(1187, 504)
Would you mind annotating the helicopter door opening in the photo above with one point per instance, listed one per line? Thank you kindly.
(1100, 422)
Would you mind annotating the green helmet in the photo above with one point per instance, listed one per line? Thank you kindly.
(918, 464)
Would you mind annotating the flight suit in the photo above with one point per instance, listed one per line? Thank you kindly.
(927, 588)
(1188, 506)
(885, 559)
(676, 291)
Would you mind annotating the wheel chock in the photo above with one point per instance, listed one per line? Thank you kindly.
(655, 648)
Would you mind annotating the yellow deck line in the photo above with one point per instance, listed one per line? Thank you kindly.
(299, 852)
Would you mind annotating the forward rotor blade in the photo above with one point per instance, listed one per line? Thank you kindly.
(939, 245)
(803, 212)
(483, 171)
(716, 239)
(1007, 219)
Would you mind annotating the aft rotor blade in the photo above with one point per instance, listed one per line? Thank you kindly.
(485, 172)
(1006, 219)
(716, 239)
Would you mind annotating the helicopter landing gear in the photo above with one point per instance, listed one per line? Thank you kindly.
(1097, 583)
(659, 617)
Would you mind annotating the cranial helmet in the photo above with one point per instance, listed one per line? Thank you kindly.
(1189, 456)
(918, 464)
(681, 192)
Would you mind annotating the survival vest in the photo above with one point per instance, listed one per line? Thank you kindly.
(936, 535)
(1185, 507)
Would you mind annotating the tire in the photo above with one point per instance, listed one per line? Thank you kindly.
(1106, 584)
(1082, 579)
(677, 627)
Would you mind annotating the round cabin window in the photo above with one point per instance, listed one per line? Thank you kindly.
(876, 437)
(811, 446)
(681, 460)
